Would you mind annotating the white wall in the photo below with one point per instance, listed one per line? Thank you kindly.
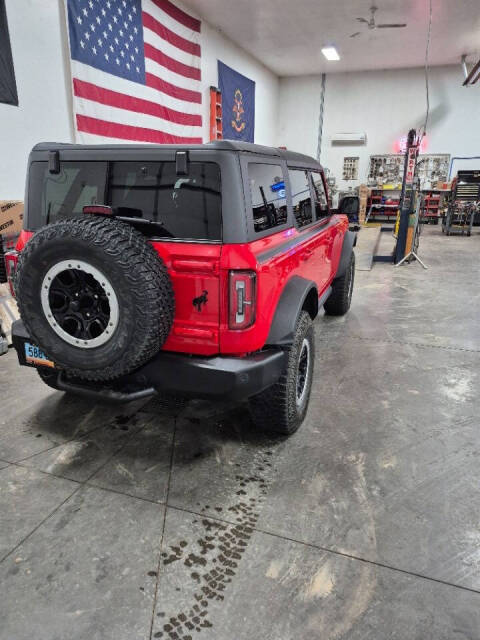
(299, 111)
(43, 112)
(384, 105)
(37, 35)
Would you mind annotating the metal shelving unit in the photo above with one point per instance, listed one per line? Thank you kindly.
(432, 205)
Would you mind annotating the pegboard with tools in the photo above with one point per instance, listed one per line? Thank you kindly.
(350, 168)
(388, 169)
(432, 168)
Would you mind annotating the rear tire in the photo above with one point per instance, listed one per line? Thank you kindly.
(339, 301)
(282, 407)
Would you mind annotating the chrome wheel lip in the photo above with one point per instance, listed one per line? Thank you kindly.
(305, 348)
(81, 265)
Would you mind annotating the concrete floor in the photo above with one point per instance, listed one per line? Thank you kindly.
(182, 522)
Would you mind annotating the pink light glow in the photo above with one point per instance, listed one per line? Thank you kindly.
(400, 145)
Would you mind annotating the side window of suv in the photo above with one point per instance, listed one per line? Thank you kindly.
(301, 200)
(319, 196)
(267, 188)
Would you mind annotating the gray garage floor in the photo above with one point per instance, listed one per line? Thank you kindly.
(183, 522)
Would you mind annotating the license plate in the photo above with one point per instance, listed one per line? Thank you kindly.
(35, 356)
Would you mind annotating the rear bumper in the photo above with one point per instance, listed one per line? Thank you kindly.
(236, 378)
(195, 376)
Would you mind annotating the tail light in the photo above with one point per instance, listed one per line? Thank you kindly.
(241, 303)
(11, 262)
(98, 209)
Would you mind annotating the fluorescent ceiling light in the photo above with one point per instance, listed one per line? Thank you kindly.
(330, 53)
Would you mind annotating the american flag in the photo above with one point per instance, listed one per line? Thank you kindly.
(136, 71)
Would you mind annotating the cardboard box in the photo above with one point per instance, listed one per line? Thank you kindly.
(363, 194)
(362, 210)
(11, 217)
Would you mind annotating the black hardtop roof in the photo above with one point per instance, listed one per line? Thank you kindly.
(291, 157)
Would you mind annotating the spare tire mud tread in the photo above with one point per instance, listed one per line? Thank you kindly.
(149, 288)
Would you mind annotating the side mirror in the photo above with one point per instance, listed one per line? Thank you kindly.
(349, 206)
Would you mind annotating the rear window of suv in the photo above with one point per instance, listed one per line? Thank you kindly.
(171, 205)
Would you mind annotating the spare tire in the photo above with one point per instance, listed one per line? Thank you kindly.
(95, 296)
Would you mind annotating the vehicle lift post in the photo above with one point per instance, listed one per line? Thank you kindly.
(415, 221)
(408, 217)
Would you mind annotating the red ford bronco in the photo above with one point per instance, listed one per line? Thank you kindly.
(196, 270)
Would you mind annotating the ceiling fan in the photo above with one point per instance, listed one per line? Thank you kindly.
(371, 24)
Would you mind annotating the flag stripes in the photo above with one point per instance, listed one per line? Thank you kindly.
(171, 90)
(118, 100)
(178, 15)
(127, 132)
(170, 63)
(119, 115)
(171, 37)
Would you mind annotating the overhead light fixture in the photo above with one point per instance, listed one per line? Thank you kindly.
(330, 53)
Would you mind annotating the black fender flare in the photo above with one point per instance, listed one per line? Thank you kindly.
(349, 241)
(288, 309)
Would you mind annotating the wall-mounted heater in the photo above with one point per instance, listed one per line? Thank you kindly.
(349, 139)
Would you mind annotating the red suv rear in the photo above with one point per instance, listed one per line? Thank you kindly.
(197, 270)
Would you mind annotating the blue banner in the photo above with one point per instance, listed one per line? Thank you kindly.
(238, 104)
